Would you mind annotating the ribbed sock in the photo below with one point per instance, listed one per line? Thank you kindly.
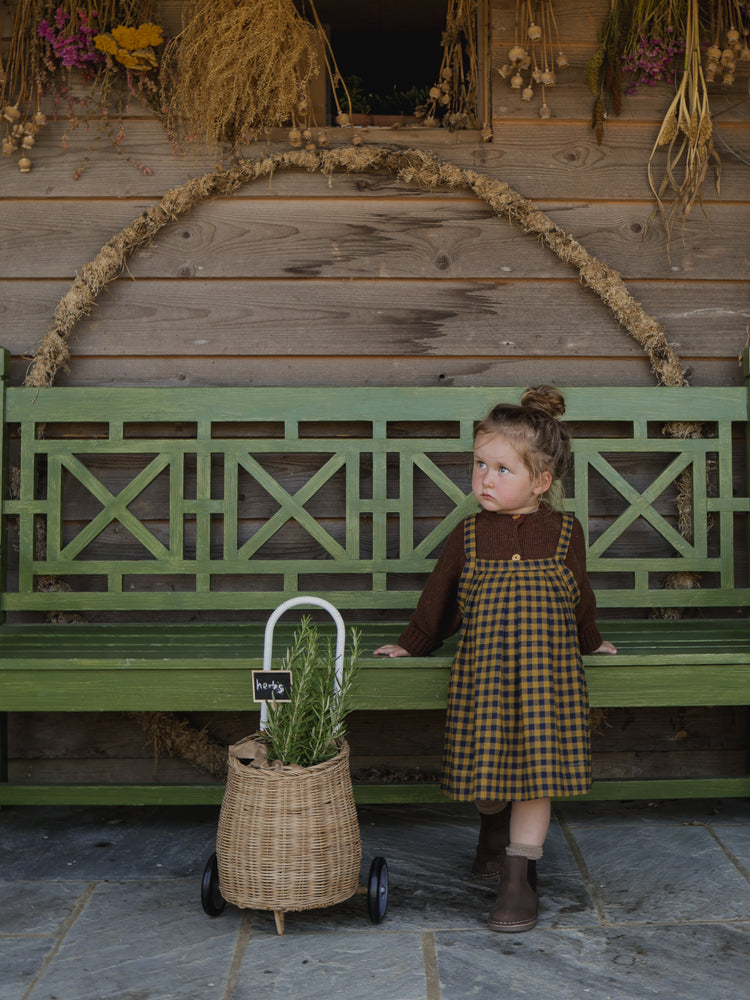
(530, 851)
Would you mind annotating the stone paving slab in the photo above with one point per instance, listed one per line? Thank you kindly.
(638, 900)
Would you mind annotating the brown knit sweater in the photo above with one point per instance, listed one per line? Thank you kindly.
(499, 537)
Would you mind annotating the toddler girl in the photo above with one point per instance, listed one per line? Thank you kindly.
(513, 578)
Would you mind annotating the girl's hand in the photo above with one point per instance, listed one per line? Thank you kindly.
(391, 650)
(606, 647)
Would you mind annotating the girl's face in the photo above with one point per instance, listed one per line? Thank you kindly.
(501, 481)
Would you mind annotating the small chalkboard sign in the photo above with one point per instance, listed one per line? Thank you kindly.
(272, 685)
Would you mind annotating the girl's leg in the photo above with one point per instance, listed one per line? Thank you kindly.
(517, 905)
(529, 823)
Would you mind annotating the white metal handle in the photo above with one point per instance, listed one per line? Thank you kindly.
(294, 602)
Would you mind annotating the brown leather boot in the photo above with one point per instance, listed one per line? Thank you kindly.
(517, 904)
(494, 837)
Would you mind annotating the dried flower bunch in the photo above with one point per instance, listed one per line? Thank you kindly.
(56, 46)
(729, 32)
(536, 52)
(453, 100)
(686, 134)
(242, 67)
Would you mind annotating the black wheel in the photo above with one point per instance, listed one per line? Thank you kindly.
(377, 890)
(211, 898)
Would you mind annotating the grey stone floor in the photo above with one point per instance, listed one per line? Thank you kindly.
(638, 900)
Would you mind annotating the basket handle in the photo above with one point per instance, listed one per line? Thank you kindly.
(294, 602)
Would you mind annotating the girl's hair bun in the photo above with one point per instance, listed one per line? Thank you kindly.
(545, 399)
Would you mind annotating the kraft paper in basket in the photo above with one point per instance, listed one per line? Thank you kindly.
(288, 836)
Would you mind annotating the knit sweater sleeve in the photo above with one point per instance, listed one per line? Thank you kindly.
(589, 636)
(437, 616)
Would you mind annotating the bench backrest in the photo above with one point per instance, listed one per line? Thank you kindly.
(220, 499)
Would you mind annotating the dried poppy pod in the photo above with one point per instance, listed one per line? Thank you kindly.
(517, 53)
(745, 54)
(506, 71)
(28, 141)
(713, 52)
(561, 60)
(446, 72)
(435, 93)
(727, 57)
(9, 145)
(536, 75)
(356, 140)
(710, 73)
(517, 82)
(342, 118)
(534, 32)
(307, 134)
(527, 93)
(322, 138)
(11, 113)
(733, 35)
(295, 138)
(728, 78)
(24, 164)
(548, 78)
(39, 119)
(544, 111)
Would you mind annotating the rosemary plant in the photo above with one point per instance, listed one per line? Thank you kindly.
(309, 728)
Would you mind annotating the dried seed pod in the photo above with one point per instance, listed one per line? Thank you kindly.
(745, 54)
(322, 138)
(733, 35)
(506, 71)
(295, 138)
(525, 62)
(24, 164)
(548, 78)
(18, 130)
(534, 32)
(310, 146)
(28, 141)
(445, 100)
(446, 73)
(517, 53)
(561, 60)
(11, 113)
(356, 140)
(544, 111)
(536, 75)
(39, 118)
(343, 119)
(435, 93)
(713, 52)
(486, 134)
(527, 93)
(728, 78)
(9, 145)
(727, 56)
(431, 122)
(307, 134)
(710, 73)
(516, 81)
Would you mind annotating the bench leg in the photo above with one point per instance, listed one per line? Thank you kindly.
(4, 747)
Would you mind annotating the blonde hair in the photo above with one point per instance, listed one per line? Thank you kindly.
(534, 429)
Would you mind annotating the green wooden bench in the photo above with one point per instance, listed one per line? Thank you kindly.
(175, 520)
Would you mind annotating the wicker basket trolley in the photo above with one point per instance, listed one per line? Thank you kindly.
(288, 836)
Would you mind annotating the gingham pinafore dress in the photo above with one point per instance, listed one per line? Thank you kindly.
(518, 717)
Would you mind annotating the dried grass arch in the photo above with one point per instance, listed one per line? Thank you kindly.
(413, 166)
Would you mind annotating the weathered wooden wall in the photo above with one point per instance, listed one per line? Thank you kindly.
(367, 281)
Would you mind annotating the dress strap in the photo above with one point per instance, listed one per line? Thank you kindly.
(566, 532)
(470, 538)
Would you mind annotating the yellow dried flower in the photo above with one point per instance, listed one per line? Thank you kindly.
(105, 43)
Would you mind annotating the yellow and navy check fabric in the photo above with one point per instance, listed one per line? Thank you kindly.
(518, 713)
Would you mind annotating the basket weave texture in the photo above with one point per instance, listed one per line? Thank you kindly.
(288, 836)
